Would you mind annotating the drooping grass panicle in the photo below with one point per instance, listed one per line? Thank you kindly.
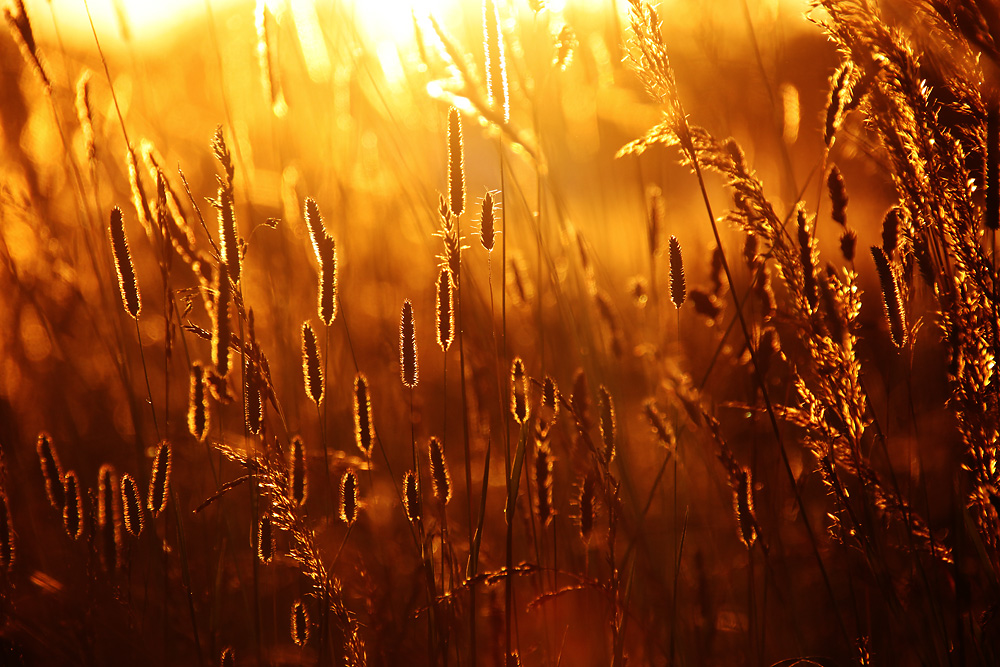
(297, 472)
(608, 428)
(349, 497)
(456, 167)
(312, 369)
(198, 415)
(840, 96)
(159, 480)
(221, 332)
(8, 546)
(678, 287)
(407, 346)
(661, 427)
(848, 244)
(838, 195)
(300, 623)
(20, 29)
(743, 504)
(127, 283)
(411, 496)
(131, 506)
(893, 222)
(265, 539)
(518, 391)
(487, 218)
(496, 66)
(807, 256)
(445, 309)
(108, 516)
(543, 483)
(51, 472)
(73, 511)
(364, 427)
(85, 115)
(890, 297)
(439, 472)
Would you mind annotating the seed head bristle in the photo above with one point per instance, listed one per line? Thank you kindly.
(487, 231)
(543, 483)
(445, 305)
(131, 506)
(297, 472)
(349, 497)
(838, 195)
(407, 346)
(300, 623)
(7, 543)
(496, 67)
(364, 429)
(52, 472)
(890, 297)
(328, 283)
(127, 283)
(159, 480)
(806, 255)
(587, 509)
(411, 496)
(456, 169)
(519, 391)
(265, 539)
(743, 502)
(439, 472)
(678, 288)
(73, 511)
(664, 432)
(312, 369)
(221, 331)
(108, 519)
(607, 410)
(198, 403)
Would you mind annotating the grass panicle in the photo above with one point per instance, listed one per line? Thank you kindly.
(890, 297)
(407, 346)
(221, 332)
(52, 472)
(349, 497)
(159, 480)
(518, 391)
(109, 517)
(606, 408)
(364, 427)
(300, 623)
(73, 511)
(445, 309)
(440, 477)
(198, 414)
(838, 195)
(487, 220)
(265, 539)
(678, 287)
(312, 368)
(456, 166)
(131, 506)
(127, 283)
(297, 472)
(411, 497)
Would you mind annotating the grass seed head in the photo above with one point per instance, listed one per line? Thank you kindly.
(297, 472)
(439, 472)
(607, 411)
(456, 169)
(487, 218)
(131, 506)
(265, 539)
(51, 471)
(407, 346)
(838, 195)
(445, 308)
(127, 283)
(300, 623)
(349, 497)
(411, 497)
(678, 288)
(159, 480)
(312, 369)
(73, 511)
(364, 429)
(519, 392)
(890, 297)
(198, 415)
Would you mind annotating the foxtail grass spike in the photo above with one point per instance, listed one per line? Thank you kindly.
(743, 502)
(678, 287)
(838, 195)
(543, 484)
(806, 256)
(349, 498)
(890, 297)
(407, 346)
(519, 391)
(228, 658)
(411, 497)
(198, 404)
(893, 221)
(127, 282)
(487, 228)
(297, 472)
(312, 369)
(51, 472)
(265, 539)
(445, 309)
(108, 520)
(73, 512)
(456, 168)
(131, 506)
(848, 244)
(661, 427)
(159, 480)
(364, 430)
(300, 623)
(439, 472)
(496, 67)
